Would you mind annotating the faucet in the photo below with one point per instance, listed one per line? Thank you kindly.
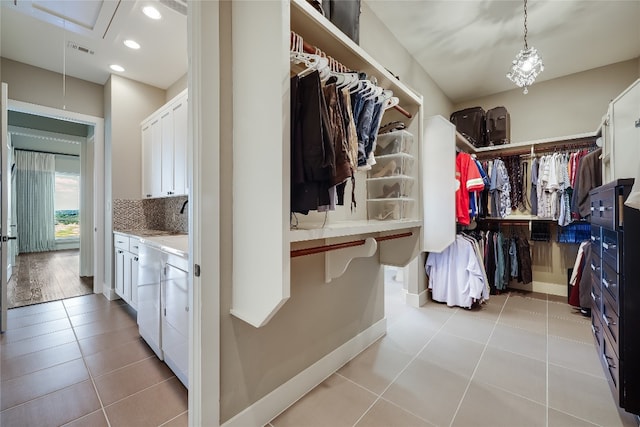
(184, 205)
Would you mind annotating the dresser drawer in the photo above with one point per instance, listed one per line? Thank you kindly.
(594, 266)
(610, 245)
(596, 240)
(610, 320)
(596, 295)
(610, 284)
(120, 241)
(596, 328)
(610, 362)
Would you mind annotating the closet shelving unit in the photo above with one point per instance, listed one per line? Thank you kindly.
(261, 209)
(319, 32)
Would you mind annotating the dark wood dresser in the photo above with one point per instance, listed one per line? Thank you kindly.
(615, 269)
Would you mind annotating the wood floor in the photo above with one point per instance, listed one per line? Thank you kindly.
(47, 276)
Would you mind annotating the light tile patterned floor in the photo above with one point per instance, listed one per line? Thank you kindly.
(520, 360)
(81, 361)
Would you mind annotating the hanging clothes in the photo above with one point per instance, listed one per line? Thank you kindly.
(500, 190)
(456, 276)
(589, 176)
(468, 178)
(580, 280)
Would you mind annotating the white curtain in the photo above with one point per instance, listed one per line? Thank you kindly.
(35, 188)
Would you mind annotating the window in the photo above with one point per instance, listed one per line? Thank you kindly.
(67, 203)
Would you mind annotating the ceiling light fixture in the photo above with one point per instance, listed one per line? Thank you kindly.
(528, 64)
(132, 44)
(151, 12)
(117, 68)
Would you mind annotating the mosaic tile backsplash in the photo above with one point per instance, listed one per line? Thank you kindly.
(151, 214)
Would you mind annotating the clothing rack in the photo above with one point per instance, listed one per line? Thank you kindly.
(533, 150)
(309, 48)
(336, 246)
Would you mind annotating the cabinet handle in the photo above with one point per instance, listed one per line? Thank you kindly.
(593, 297)
(606, 361)
(136, 247)
(135, 258)
(148, 195)
(608, 246)
(592, 209)
(594, 268)
(606, 319)
(605, 283)
(594, 330)
(594, 238)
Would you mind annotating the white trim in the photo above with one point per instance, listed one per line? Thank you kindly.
(99, 179)
(203, 156)
(415, 300)
(274, 403)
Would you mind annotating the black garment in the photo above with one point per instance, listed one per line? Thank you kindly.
(312, 155)
(490, 262)
(524, 255)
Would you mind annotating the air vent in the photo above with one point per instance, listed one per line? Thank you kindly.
(76, 46)
(179, 6)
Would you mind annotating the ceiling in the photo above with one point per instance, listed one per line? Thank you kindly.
(82, 38)
(465, 46)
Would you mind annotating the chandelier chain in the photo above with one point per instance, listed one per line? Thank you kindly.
(526, 46)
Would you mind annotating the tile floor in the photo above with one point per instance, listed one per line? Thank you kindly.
(521, 360)
(81, 362)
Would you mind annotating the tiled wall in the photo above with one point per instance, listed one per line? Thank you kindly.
(150, 214)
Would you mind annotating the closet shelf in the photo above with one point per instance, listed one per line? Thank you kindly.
(519, 218)
(463, 144)
(319, 31)
(539, 144)
(350, 228)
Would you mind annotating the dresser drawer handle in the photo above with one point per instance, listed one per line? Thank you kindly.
(606, 319)
(593, 297)
(594, 268)
(606, 359)
(605, 282)
(595, 238)
(608, 246)
(592, 209)
(594, 330)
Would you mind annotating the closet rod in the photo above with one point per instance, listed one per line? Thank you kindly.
(335, 246)
(588, 143)
(309, 48)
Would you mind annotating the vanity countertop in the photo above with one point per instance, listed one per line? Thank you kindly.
(177, 244)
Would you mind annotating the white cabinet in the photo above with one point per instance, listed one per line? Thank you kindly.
(163, 306)
(164, 149)
(126, 268)
(624, 150)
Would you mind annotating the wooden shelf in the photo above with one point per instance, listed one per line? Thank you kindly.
(463, 144)
(519, 147)
(320, 32)
(350, 228)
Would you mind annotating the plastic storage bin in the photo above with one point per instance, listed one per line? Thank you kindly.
(399, 141)
(392, 165)
(389, 209)
(389, 187)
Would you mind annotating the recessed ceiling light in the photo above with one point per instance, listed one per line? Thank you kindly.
(151, 12)
(132, 44)
(117, 68)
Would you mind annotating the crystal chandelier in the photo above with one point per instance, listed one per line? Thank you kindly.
(528, 64)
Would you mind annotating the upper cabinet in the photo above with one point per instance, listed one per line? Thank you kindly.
(622, 148)
(164, 150)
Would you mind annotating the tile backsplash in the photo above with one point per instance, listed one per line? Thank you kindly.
(151, 214)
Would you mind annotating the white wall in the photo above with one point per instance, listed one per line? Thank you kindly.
(177, 87)
(564, 106)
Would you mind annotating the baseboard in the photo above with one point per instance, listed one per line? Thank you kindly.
(542, 287)
(270, 406)
(415, 300)
(110, 293)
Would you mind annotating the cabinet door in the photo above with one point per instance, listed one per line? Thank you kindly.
(175, 320)
(147, 164)
(134, 281)
(152, 159)
(180, 148)
(119, 272)
(126, 277)
(166, 162)
(626, 137)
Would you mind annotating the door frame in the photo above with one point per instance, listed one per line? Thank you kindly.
(99, 231)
